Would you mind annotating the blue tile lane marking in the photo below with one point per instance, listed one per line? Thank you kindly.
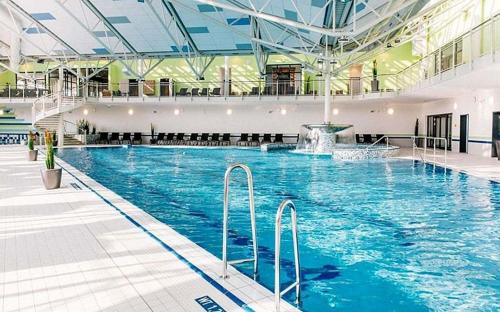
(208, 304)
(205, 276)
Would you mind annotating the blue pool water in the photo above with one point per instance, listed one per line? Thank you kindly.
(381, 235)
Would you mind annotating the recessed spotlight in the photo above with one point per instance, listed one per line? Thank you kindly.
(390, 111)
(85, 112)
(177, 112)
(335, 111)
(283, 111)
(229, 111)
(1, 111)
(130, 112)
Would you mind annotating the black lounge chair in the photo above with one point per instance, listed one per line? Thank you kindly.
(203, 139)
(379, 137)
(179, 139)
(266, 139)
(103, 137)
(137, 139)
(255, 139)
(204, 91)
(290, 90)
(216, 92)
(195, 91)
(255, 91)
(193, 139)
(214, 141)
(243, 139)
(278, 138)
(169, 139)
(182, 92)
(160, 138)
(367, 139)
(226, 139)
(358, 138)
(115, 137)
(126, 137)
(268, 90)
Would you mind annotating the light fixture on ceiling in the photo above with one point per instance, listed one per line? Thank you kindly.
(343, 39)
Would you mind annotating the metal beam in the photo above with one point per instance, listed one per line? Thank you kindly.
(173, 13)
(110, 26)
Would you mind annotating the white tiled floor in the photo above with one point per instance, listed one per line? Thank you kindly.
(69, 250)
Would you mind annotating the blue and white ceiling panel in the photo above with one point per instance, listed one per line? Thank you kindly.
(138, 24)
(69, 28)
(215, 29)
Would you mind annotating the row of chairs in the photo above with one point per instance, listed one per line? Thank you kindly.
(197, 92)
(205, 139)
(105, 138)
(369, 138)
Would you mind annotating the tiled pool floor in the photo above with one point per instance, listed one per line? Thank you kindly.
(83, 248)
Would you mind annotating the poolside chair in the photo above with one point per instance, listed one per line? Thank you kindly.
(137, 139)
(126, 137)
(160, 138)
(115, 137)
(278, 138)
(243, 139)
(179, 139)
(204, 91)
(379, 137)
(215, 92)
(268, 90)
(203, 139)
(103, 137)
(255, 139)
(358, 138)
(182, 92)
(214, 141)
(290, 90)
(266, 139)
(255, 91)
(195, 92)
(169, 139)
(226, 139)
(193, 139)
(367, 139)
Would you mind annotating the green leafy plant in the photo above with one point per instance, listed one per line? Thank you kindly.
(31, 140)
(49, 158)
(83, 126)
(374, 70)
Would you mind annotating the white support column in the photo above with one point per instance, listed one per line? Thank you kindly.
(327, 114)
(226, 76)
(60, 131)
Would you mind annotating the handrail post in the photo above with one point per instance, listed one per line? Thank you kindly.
(226, 219)
(425, 148)
(277, 254)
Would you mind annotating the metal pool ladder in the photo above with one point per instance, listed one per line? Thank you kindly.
(277, 254)
(254, 259)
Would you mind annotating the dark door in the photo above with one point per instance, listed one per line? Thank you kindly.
(496, 133)
(464, 133)
(439, 126)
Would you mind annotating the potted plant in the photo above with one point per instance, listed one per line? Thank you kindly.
(51, 176)
(375, 85)
(32, 152)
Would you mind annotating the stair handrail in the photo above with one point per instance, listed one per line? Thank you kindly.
(380, 139)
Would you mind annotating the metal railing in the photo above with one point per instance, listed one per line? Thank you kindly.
(378, 141)
(52, 104)
(423, 155)
(277, 254)
(251, 204)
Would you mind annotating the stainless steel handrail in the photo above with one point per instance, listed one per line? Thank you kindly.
(277, 254)
(376, 142)
(226, 217)
(434, 139)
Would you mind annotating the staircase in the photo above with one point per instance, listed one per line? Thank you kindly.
(70, 140)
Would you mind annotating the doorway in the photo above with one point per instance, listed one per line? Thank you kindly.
(496, 134)
(439, 126)
(464, 133)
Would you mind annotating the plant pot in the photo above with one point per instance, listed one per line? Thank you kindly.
(32, 155)
(51, 178)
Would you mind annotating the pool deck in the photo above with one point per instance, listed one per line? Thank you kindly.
(84, 248)
(483, 167)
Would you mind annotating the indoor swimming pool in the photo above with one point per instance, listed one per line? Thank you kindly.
(379, 235)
